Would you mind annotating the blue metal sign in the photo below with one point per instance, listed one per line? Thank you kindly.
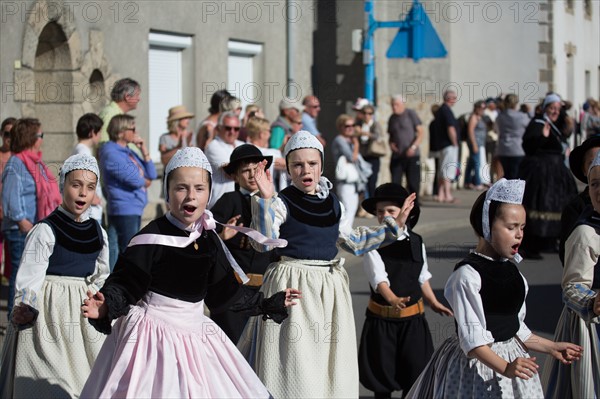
(417, 37)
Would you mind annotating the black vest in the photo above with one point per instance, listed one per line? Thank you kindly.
(502, 294)
(312, 226)
(250, 260)
(77, 245)
(403, 263)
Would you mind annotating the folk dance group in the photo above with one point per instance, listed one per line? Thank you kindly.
(159, 343)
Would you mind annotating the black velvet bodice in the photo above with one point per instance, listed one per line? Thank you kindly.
(502, 294)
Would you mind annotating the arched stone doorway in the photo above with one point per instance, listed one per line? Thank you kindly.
(58, 85)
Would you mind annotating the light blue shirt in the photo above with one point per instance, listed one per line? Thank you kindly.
(19, 199)
(310, 124)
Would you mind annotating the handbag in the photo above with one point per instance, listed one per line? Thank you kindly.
(376, 148)
(346, 171)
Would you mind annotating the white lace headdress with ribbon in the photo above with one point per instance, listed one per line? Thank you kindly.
(304, 139)
(507, 191)
(195, 158)
(192, 157)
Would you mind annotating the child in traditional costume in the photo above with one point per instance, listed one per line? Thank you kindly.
(314, 353)
(50, 348)
(162, 345)
(396, 342)
(486, 291)
(579, 319)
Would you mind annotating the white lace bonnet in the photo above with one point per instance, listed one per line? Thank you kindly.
(507, 191)
(78, 162)
(595, 162)
(304, 139)
(186, 157)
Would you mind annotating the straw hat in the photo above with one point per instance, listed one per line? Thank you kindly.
(178, 112)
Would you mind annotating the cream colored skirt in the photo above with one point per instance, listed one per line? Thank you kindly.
(312, 354)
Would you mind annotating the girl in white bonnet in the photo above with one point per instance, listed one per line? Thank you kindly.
(489, 357)
(580, 318)
(50, 348)
(162, 345)
(314, 353)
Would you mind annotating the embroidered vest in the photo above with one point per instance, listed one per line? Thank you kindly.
(77, 246)
(312, 226)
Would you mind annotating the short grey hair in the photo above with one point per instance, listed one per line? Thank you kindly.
(230, 104)
(225, 115)
(398, 97)
(447, 93)
(123, 87)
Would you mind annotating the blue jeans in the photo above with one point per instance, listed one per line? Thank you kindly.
(121, 228)
(472, 171)
(16, 245)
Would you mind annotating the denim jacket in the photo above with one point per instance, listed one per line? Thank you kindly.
(19, 199)
(123, 184)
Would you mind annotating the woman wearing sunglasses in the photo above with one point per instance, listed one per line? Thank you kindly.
(126, 178)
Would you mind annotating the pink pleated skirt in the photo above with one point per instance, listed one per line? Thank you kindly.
(167, 348)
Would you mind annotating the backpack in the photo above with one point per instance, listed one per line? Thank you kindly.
(463, 127)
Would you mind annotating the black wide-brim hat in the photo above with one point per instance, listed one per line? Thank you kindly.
(245, 153)
(391, 192)
(578, 155)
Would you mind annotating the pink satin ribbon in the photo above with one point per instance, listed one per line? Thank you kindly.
(207, 222)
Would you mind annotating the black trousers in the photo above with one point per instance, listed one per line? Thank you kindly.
(409, 166)
(372, 182)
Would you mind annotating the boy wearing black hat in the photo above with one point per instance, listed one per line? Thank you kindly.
(396, 342)
(234, 208)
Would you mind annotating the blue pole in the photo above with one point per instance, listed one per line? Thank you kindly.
(417, 30)
(368, 49)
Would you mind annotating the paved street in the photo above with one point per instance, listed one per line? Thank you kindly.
(448, 237)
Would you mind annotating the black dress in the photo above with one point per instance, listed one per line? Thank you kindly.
(550, 185)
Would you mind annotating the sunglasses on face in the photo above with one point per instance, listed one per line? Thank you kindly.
(231, 128)
(349, 126)
(40, 135)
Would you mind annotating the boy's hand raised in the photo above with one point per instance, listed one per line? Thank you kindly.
(264, 180)
(409, 204)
